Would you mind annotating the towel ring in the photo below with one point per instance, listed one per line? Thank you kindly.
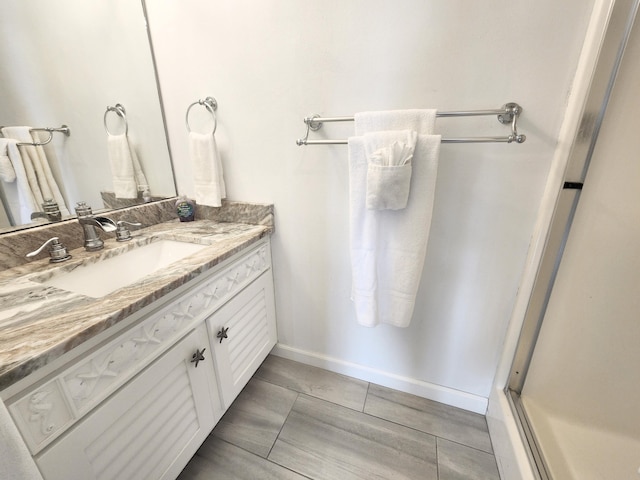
(120, 111)
(210, 104)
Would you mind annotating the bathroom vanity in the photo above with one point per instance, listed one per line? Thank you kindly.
(129, 384)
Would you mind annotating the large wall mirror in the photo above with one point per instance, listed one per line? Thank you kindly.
(64, 63)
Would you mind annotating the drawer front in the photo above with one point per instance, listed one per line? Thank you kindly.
(80, 388)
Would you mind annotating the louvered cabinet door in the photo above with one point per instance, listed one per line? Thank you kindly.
(242, 333)
(150, 428)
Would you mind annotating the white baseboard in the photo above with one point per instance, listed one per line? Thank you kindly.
(449, 396)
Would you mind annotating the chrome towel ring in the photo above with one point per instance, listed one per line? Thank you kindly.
(210, 104)
(120, 111)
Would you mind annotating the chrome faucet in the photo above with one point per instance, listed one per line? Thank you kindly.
(50, 211)
(90, 223)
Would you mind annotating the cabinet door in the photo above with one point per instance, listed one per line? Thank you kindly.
(147, 430)
(243, 332)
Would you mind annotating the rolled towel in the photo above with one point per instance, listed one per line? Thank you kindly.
(207, 169)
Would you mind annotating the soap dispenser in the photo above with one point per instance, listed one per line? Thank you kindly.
(186, 209)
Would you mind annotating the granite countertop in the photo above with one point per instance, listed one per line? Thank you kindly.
(39, 323)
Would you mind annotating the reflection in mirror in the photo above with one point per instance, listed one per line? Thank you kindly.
(65, 63)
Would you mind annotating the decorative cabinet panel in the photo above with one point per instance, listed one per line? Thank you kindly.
(242, 334)
(148, 429)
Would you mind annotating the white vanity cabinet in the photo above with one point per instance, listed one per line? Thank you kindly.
(147, 430)
(139, 405)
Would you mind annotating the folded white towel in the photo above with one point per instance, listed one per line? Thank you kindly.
(19, 195)
(127, 173)
(418, 120)
(207, 169)
(389, 169)
(8, 149)
(388, 247)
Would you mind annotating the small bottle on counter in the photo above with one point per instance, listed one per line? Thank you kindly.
(186, 209)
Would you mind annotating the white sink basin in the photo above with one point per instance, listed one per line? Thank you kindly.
(101, 278)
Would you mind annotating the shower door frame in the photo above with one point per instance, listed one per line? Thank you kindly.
(621, 20)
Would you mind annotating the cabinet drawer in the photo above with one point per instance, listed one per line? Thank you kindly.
(148, 429)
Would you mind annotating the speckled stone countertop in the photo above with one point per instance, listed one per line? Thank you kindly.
(39, 323)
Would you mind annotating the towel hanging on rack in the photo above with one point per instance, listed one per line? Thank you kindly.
(35, 166)
(388, 247)
(126, 170)
(206, 161)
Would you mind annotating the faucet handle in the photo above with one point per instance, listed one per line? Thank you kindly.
(82, 209)
(58, 251)
(122, 233)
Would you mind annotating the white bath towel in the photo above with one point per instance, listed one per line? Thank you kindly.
(418, 120)
(8, 149)
(37, 165)
(126, 170)
(207, 169)
(19, 195)
(38, 174)
(388, 247)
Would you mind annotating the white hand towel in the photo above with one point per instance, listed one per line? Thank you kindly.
(388, 247)
(128, 177)
(389, 169)
(40, 179)
(207, 170)
(418, 120)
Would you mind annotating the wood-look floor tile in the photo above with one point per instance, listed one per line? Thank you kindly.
(255, 418)
(325, 441)
(458, 462)
(219, 460)
(316, 382)
(438, 419)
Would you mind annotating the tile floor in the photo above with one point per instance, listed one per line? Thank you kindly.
(293, 421)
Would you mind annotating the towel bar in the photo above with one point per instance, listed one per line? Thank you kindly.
(509, 113)
(63, 129)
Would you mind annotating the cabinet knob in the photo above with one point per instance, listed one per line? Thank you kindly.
(198, 356)
(222, 334)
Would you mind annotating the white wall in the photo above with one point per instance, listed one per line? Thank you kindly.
(273, 62)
